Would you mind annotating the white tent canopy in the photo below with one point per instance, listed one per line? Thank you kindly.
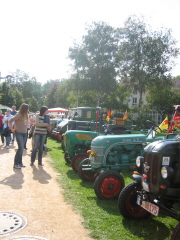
(57, 110)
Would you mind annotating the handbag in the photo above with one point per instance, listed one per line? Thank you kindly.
(6, 132)
(31, 131)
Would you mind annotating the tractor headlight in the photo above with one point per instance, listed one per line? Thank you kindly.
(166, 172)
(139, 161)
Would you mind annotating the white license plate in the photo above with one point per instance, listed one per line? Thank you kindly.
(146, 186)
(150, 207)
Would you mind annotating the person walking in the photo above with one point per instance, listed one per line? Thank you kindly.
(20, 128)
(13, 112)
(1, 127)
(6, 120)
(40, 133)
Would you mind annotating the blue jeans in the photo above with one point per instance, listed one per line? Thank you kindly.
(20, 139)
(39, 140)
(2, 137)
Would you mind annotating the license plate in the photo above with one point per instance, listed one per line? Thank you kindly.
(146, 186)
(150, 207)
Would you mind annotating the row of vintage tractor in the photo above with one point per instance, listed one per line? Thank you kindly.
(98, 152)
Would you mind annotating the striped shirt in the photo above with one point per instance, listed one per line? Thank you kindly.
(40, 126)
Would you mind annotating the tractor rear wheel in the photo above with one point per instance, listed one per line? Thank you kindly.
(86, 175)
(77, 159)
(63, 146)
(59, 137)
(127, 202)
(67, 158)
(108, 184)
(176, 233)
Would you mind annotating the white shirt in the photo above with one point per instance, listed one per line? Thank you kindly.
(5, 120)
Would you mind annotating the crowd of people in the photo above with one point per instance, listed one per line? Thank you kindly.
(14, 126)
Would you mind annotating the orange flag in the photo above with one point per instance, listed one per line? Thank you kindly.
(125, 115)
(109, 113)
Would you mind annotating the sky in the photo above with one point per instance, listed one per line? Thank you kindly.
(35, 35)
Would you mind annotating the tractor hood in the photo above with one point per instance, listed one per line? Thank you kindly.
(83, 135)
(124, 139)
(162, 146)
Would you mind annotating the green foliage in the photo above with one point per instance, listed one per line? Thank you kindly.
(145, 57)
(50, 94)
(94, 59)
(162, 98)
(17, 96)
(33, 105)
(102, 217)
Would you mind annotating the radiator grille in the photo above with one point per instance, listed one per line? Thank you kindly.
(152, 161)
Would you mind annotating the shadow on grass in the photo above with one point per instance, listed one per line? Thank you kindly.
(48, 149)
(72, 174)
(89, 184)
(110, 205)
(58, 148)
(148, 229)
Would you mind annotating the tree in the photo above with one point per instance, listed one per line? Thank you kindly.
(118, 100)
(7, 98)
(27, 86)
(17, 97)
(94, 59)
(162, 98)
(61, 94)
(33, 105)
(50, 97)
(145, 57)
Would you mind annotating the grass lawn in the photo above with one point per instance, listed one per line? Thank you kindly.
(102, 217)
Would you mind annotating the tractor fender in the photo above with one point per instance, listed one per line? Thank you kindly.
(137, 177)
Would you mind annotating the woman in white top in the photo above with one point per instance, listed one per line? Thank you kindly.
(6, 119)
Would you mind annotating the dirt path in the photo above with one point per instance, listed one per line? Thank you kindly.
(34, 193)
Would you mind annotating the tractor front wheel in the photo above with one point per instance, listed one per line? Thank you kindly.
(67, 158)
(127, 202)
(176, 233)
(86, 175)
(77, 159)
(108, 184)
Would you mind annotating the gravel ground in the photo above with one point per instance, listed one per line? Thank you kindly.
(34, 193)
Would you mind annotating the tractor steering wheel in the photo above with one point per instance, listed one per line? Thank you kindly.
(154, 126)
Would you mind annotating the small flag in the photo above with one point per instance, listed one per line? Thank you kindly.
(163, 125)
(107, 118)
(109, 113)
(125, 115)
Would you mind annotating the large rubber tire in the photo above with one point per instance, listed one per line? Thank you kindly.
(127, 202)
(67, 158)
(63, 146)
(84, 175)
(77, 159)
(108, 184)
(59, 137)
(176, 233)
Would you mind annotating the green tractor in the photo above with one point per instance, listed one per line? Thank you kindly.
(78, 140)
(80, 118)
(110, 154)
(59, 129)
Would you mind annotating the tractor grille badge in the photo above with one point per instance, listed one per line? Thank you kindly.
(146, 167)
